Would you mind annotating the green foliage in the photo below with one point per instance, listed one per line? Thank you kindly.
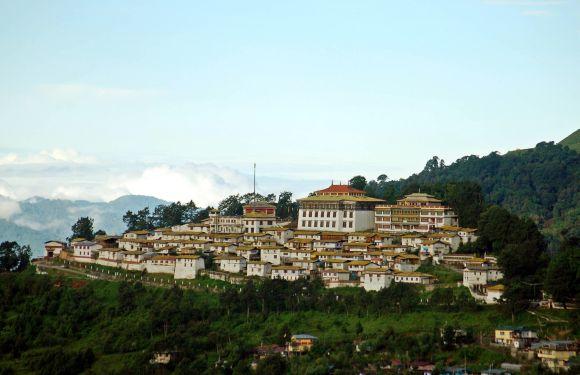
(13, 257)
(83, 228)
(563, 274)
(572, 141)
(358, 182)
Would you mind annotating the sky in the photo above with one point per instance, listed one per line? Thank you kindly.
(178, 99)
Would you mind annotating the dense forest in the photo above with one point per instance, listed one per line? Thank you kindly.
(51, 325)
(541, 183)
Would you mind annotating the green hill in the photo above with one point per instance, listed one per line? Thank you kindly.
(572, 141)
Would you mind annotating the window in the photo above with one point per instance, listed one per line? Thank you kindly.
(334, 214)
(350, 224)
(351, 214)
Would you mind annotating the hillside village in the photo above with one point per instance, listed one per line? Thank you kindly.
(342, 236)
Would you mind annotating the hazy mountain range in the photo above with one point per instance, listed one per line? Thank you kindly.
(36, 220)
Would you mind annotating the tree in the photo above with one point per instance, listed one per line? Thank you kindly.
(358, 182)
(100, 232)
(231, 206)
(564, 272)
(138, 221)
(83, 228)
(13, 257)
(285, 207)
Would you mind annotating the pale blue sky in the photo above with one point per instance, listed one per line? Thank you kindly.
(310, 90)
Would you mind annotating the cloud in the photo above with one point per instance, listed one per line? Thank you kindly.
(76, 90)
(8, 207)
(204, 183)
(67, 174)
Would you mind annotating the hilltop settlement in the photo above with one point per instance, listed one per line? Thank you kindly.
(341, 236)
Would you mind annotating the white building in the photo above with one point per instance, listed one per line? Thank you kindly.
(259, 268)
(231, 263)
(187, 266)
(334, 274)
(161, 264)
(52, 249)
(85, 251)
(111, 257)
(337, 208)
(135, 260)
(376, 278)
(290, 273)
(474, 276)
(271, 254)
(414, 278)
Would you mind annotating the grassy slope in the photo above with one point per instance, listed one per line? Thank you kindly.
(572, 141)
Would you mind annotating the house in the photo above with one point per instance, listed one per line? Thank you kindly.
(334, 274)
(359, 246)
(289, 273)
(412, 240)
(357, 267)
(259, 268)
(301, 343)
(477, 277)
(231, 263)
(432, 247)
(307, 264)
(218, 223)
(161, 264)
(52, 249)
(187, 266)
(376, 278)
(414, 278)
(258, 216)
(135, 260)
(517, 337)
(301, 243)
(223, 247)
(111, 257)
(85, 251)
(248, 252)
(280, 234)
(271, 254)
(338, 208)
(335, 263)
(407, 262)
(556, 355)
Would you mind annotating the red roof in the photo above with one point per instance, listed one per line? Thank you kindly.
(342, 189)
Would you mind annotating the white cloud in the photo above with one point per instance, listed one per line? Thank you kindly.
(77, 90)
(8, 207)
(203, 183)
(66, 174)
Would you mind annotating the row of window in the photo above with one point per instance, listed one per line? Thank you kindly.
(328, 214)
(324, 224)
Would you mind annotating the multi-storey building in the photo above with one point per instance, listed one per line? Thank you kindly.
(224, 224)
(338, 208)
(417, 212)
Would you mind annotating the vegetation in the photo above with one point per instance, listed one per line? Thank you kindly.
(83, 228)
(540, 183)
(109, 327)
(165, 215)
(13, 257)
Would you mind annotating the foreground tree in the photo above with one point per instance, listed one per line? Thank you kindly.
(564, 272)
(13, 257)
(83, 228)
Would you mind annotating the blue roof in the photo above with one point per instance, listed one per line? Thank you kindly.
(304, 336)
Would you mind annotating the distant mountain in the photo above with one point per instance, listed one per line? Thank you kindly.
(42, 219)
(572, 141)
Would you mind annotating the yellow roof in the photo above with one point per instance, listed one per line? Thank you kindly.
(338, 198)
